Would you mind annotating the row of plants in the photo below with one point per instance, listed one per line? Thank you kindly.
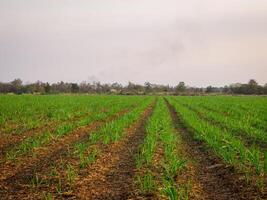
(248, 110)
(20, 114)
(234, 126)
(103, 110)
(111, 132)
(159, 161)
(63, 174)
(249, 160)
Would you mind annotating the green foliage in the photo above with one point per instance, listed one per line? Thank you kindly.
(70, 115)
(86, 160)
(170, 190)
(160, 131)
(36, 181)
(218, 121)
(71, 174)
(48, 196)
(53, 171)
(172, 166)
(114, 130)
(146, 183)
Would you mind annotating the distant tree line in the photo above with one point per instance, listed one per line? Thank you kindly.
(17, 87)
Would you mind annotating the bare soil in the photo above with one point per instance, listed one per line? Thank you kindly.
(15, 178)
(112, 175)
(11, 140)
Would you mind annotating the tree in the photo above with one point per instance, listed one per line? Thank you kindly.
(74, 88)
(30, 88)
(148, 87)
(209, 89)
(130, 88)
(16, 82)
(252, 82)
(106, 88)
(86, 87)
(16, 86)
(62, 87)
(252, 87)
(116, 88)
(265, 89)
(47, 88)
(5, 87)
(39, 87)
(226, 89)
(180, 87)
(97, 87)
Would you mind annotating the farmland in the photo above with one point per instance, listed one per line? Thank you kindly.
(133, 147)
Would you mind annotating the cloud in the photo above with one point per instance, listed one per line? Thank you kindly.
(162, 41)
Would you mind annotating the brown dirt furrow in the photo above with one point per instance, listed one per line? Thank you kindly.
(217, 180)
(15, 178)
(10, 140)
(112, 175)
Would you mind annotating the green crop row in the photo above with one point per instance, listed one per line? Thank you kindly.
(39, 140)
(232, 150)
(110, 132)
(84, 153)
(237, 127)
(248, 110)
(22, 113)
(160, 135)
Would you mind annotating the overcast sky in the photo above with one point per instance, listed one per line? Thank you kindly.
(201, 42)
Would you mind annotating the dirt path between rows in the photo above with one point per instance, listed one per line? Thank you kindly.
(112, 175)
(218, 181)
(15, 179)
(9, 141)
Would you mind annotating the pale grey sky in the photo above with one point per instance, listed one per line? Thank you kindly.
(201, 42)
